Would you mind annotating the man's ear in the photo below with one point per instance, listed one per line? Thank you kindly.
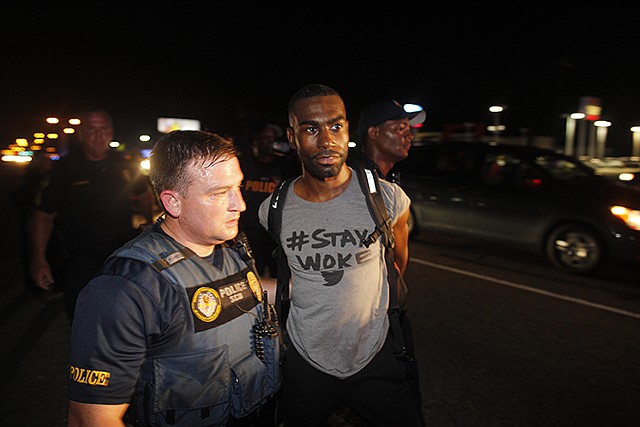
(170, 202)
(291, 138)
(373, 132)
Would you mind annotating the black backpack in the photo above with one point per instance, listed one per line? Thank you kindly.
(370, 185)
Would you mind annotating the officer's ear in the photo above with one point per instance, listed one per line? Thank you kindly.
(170, 202)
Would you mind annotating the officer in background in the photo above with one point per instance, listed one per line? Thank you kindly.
(268, 163)
(90, 194)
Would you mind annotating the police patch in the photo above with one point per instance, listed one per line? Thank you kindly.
(254, 284)
(218, 302)
(206, 304)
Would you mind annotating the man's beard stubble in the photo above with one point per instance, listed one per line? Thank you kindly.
(322, 172)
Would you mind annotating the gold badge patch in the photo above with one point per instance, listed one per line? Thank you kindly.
(206, 304)
(254, 284)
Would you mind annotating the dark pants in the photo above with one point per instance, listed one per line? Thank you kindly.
(379, 393)
(411, 366)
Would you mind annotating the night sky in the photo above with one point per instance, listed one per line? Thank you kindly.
(232, 64)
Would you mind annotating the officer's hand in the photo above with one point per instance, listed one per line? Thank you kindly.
(41, 275)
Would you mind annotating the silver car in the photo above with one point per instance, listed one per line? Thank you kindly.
(527, 197)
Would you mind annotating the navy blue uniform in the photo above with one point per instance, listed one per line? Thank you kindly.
(171, 333)
(93, 200)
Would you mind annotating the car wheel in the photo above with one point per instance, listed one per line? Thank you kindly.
(575, 248)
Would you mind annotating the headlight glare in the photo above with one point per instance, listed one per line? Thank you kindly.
(629, 216)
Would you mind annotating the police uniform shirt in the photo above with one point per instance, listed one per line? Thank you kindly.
(93, 199)
(127, 309)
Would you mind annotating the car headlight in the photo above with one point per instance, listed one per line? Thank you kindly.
(629, 216)
(626, 176)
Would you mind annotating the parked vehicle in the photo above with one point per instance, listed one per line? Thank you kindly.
(626, 170)
(532, 198)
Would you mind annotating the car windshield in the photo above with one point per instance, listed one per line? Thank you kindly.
(561, 167)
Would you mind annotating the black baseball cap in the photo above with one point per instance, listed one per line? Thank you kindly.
(388, 109)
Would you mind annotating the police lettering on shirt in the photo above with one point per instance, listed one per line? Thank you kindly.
(332, 264)
(260, 186)
(89, 376)
(216, 303)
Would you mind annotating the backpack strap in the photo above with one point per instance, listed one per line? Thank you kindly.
(370, 185)
(274, 223)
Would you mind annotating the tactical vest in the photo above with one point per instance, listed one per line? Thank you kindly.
(213, 369)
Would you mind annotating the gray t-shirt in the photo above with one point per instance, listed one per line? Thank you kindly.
(339, 295)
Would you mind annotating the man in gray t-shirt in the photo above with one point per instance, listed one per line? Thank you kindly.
(339, 350)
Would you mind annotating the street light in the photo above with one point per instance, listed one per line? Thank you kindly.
(570, 130)
(601, 136)
(635, 151)
(418, 119)
(64, 128)
(67, 129)
(496, 128)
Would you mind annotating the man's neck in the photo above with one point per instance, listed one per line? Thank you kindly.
(95, 158)
(321, 190)
(173, 230)
(383, 164)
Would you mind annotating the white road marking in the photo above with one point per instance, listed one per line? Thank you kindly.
(527, 288)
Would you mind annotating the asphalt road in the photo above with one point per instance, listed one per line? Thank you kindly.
(34, 332)
(503, 339)
(507, 340)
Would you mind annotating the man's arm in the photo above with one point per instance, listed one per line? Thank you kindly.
(89, 414)
(270, 285)
(41, 227)
(401, 250)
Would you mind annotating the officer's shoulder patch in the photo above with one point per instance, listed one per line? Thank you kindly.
(206, 304)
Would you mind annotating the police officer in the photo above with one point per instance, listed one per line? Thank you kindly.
(264, 168)
(174, 330)
(89, 196)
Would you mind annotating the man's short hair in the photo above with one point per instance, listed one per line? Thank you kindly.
(93, 111)
(309, 91)
(176, 150)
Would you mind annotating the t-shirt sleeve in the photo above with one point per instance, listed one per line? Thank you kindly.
(263, 212)
(395, 199)
(114, 319)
